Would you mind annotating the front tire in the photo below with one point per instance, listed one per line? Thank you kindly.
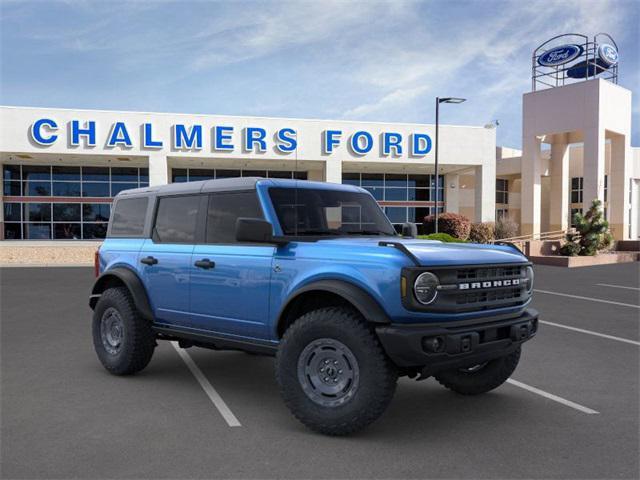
(122, 339)
(480, 378)
(332, 372)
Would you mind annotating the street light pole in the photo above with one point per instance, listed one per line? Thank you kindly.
(438, 102)
(436, 162)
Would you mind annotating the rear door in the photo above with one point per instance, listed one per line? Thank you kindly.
(165, 258)
(230, 281)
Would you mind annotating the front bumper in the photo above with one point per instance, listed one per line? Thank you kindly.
(445, 346)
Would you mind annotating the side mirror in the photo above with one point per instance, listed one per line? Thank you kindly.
(409, 230)
(254, 230)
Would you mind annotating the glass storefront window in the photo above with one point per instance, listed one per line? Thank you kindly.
(66, 189)
(12, 189)
(36, 172)
(195, 174)
(94, 230)
(70, 231)
(66, 212)
(13, 231)
(116, 188)
(393, 180)
(37, 231)
(11, 172)
(37, 189)
(279, 174)
(396, 214)
(372, 180)
(37, 212)
(377, 192)
(395, 194)
(60, 219)
(66, 173)
(227, 173)
(124, 174)
(12, 212)
(398, 187)
(95, 189)
(95, 174)
(92, 212)
(254, 173)
(419, 194)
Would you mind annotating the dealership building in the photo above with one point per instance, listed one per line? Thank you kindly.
(62, 167)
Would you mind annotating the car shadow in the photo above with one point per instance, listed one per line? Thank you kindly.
(247, 383)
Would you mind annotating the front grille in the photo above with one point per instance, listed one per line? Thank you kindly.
(484, 297)
(474, 288)
(484, 273)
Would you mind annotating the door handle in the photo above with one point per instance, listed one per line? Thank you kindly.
(205, 263)
(149, 260)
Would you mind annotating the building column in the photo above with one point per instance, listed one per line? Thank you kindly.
(485, 192)
(559, 204)
(618, 188)
(451, 193)
(531, 186)
(593, 164)
(333, 170)
(158, 169)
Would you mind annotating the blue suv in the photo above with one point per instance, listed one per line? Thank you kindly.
(314, 274)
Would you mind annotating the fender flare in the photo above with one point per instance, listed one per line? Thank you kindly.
(368, 307)
(132, 282)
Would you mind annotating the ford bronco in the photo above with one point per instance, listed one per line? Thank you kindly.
(315, 274)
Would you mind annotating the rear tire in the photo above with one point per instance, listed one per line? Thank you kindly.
(332, 372)
(481, 378)
(123, 340)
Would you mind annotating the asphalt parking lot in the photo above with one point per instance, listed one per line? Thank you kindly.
(572, 410)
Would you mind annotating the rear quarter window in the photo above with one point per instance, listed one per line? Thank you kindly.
(128, 217)
(176, 219)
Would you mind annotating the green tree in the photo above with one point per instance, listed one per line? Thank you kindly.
(591, 235)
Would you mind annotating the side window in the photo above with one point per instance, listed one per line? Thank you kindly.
(176, 219)
(224, 210)
(128, 217)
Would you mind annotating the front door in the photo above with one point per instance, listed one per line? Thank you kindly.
(230, 282)
(165, 259)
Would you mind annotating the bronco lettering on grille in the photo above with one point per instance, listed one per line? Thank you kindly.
(489, 284)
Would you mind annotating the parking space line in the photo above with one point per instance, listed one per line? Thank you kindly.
(211, 392)
(616, 286)
(591, 332)
(555, 398)
(600, 300)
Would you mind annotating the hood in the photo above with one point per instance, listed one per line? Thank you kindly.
(430, 252)
(433, 252)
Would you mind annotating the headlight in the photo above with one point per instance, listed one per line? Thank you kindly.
(426, 288)
(529, 274)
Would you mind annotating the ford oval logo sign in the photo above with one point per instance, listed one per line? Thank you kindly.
(608, 54)
(560, 55)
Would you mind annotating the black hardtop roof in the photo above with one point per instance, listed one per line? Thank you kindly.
(220, 185)
(229, 184)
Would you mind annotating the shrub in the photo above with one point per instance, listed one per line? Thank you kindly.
(484, 232)
(506, 228)
(454, 224)
(443, 237)
(592, 233)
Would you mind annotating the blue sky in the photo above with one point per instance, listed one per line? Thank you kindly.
(370, 60)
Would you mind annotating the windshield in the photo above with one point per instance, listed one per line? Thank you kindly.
(310, 212)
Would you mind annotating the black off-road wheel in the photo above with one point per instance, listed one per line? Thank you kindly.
(482, 378)
(332, 372)
(123, 340)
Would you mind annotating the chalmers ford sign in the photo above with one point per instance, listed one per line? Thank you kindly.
(221, 138)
